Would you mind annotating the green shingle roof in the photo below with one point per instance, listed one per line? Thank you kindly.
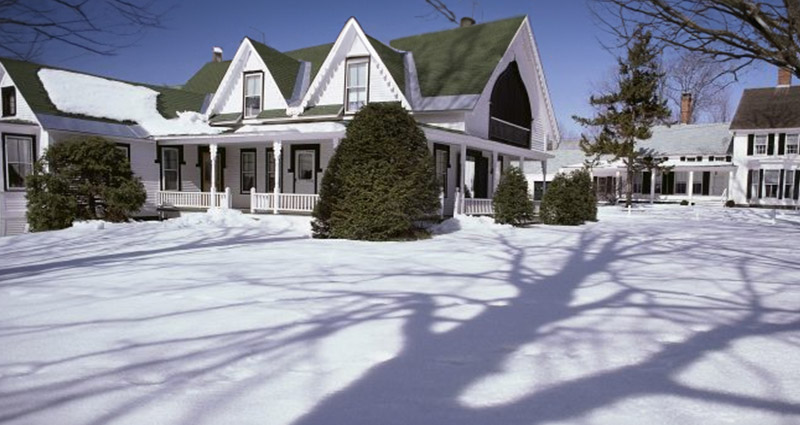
(272, 113)
(393, 60)
(461, 60)
(225, 118)
(315, 55)
(207, 79)
(26, 77)
(284, 68)
(319, 110)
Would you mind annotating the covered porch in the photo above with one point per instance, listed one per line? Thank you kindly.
(693, 183)
(278, 168)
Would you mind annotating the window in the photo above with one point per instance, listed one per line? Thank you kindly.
(126, 149)
(248, 170)
(170, 169)
(270, 170)
(19, 157)
(691, 159)
(680, 183)
(252, 94)
(754, 183)
(356, 84)
(9, 101)
(538, 191)
(442, 162)
(697, 186)
(637, 182)
(761, 144)
(305, 165)
(771, 182)
(788, 187)
(792, 144)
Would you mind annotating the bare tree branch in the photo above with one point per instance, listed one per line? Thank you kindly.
(96, 26)
(705, 79)
(736, 32)
(442, 9)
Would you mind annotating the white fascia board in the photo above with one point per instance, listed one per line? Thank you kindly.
(435, 135)
(541, 76)
(351, 24)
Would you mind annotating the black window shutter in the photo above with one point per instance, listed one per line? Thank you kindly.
(706, 182)
(749, 184)
(771, 144)
(760, 183)
(646, 182)
(781, 143)
(158, 155)
(780, 186)
(796, 184)
(750, 142)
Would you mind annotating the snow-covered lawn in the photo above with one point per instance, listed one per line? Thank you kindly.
(661, 317)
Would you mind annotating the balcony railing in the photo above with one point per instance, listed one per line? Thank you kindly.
(509, 133)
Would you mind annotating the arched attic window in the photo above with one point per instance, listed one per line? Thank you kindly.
(510, 109)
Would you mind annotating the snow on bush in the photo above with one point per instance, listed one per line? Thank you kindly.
(98, 97)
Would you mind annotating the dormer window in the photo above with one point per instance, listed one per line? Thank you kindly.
(253, 88)
(356, 84)
(9, 101)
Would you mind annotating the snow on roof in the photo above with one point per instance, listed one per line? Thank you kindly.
(83, 94)
(689, 139)
(308, 127)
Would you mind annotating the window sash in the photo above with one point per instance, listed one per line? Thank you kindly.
(441, 169)
(252, 94)
(18, 160)
(248, 171)
(170, 168)
(356, 84)
(792, 144)
(9, 101)
(761, 144)
(305, 164)
(771, 181)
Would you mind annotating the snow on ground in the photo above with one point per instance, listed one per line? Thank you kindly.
(667, 316)
(117, 101)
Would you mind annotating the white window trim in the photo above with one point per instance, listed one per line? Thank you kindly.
(7, 163)
(347, 87)
(796, 143)
(164, 168)
(760, 140)
(245, 96)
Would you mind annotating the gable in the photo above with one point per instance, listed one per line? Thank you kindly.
(459, 61)
(284, 68)
(386, 70)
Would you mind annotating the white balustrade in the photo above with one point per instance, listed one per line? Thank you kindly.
(292, 202)
(176, 199)
(478, 206)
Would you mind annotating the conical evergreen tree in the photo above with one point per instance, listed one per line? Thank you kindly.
(628, 115)
(512, 201)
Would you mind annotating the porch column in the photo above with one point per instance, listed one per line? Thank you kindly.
(276, 152)
(212, 150)
(495, 173)
(521, 164)
(462, 178)
(335, 144)
(544, 176)
(690, 188)
(617, 185)
(652, 185)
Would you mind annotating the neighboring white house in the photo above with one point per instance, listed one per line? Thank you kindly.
(766, 147)
(259, 129)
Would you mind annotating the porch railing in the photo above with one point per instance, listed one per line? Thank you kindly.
(176, 199)
(291, 202)
(478, 206)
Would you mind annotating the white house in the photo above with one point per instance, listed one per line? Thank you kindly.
(765, 145)
(256, 132)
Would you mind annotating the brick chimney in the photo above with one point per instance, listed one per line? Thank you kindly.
(467, 22)
(217, 54)
(784, 77)
(686, 108)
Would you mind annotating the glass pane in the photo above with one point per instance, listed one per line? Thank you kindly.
(248, 162)
(771, 177)
(357, 74)
(304, 165)
(252, 105)
(248, 181)
(170, 159)
(356, 98)
(170, 180)
(16, 176)
(253, 85)
(12, 149)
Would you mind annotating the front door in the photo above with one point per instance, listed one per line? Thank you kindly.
(205, 172)
(305, 173)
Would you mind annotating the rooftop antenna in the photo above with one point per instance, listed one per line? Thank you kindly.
(263, 36)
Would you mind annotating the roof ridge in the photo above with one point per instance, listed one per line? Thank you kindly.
(460, 28)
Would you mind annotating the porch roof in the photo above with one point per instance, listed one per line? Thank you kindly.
(458, 138)
(265, 133)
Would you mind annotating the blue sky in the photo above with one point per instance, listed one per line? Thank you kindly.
(565, 33)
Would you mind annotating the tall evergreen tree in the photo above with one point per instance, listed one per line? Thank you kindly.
(628, 114)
